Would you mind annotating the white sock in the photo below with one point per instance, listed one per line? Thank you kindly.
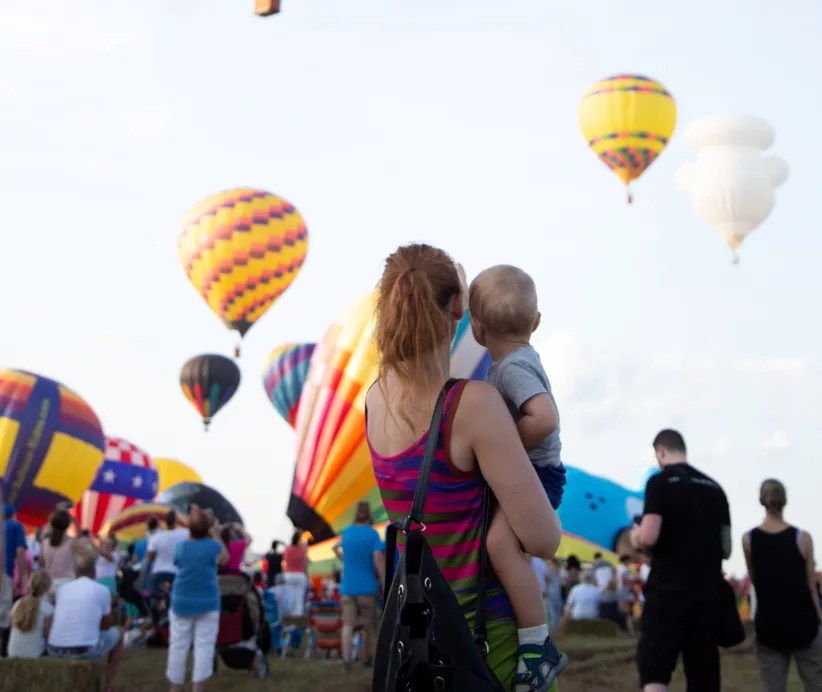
(532, 635)
(529, 635)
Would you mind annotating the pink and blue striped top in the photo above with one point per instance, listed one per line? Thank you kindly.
(452, 515)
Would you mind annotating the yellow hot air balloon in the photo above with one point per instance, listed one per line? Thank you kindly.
(171, 472)
(627, 120)
(241, 249)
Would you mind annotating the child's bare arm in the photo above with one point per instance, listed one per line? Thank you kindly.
(539, 419)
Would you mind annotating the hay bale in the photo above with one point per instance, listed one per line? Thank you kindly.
(45, 673)
(592, 628)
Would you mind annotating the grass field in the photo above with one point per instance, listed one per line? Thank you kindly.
(596, 664)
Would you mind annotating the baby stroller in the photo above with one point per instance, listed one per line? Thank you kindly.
(244, 639)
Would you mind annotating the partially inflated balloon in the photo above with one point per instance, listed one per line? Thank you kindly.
(126, 477)
(333, 470)
(241, 249)
(171, 472)
(284, 374)
(208, 382)
(51, 444)
(183, 495)
(627, 120)
(131, 524)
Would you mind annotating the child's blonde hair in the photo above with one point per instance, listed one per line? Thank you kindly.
(25, 614)
(504, 300)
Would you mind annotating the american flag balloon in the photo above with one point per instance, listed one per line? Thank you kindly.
(126, 477)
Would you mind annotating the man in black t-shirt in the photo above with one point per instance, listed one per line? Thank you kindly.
(686, 527)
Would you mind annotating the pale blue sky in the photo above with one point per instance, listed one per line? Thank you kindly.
(453, 121)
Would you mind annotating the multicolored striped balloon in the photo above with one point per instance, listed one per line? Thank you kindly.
(284, 374)
(241, 249)
(208, 382)
(130, 524)
(51, 444)
(333, 469)
(126, 477)
(627, 120)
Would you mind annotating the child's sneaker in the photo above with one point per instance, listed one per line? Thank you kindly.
(542, 664)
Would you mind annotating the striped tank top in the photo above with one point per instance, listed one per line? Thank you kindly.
(453, 520)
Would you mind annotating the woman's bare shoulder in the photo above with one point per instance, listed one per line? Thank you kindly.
(480, 398)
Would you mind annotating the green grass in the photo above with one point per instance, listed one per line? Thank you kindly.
(596, 664)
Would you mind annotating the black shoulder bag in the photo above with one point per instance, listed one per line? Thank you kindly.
(424, 643)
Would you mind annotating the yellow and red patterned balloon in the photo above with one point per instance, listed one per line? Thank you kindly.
(627, 120)
(241, 249)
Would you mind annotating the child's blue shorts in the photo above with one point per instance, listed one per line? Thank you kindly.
(553, 480)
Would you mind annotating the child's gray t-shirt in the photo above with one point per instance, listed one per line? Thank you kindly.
(519, 376)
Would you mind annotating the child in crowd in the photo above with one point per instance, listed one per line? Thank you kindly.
(503, 305)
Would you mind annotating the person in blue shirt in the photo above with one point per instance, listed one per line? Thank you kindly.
(363, 558)
(195, 601)
(15, 541)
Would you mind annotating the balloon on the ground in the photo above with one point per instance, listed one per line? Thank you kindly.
(731, 185)
(241, 249)
(51, 444)
(333, 469)
(596, 514)
(170, 472)
(627, 121)
(284, 374)
(126, 477)
(131, 524)
(208, 382)
(182, 495)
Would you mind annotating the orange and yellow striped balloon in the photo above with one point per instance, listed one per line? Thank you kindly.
(241, 249)
(333, 470)
(627, 120)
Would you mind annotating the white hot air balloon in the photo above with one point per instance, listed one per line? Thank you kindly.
(731, 185)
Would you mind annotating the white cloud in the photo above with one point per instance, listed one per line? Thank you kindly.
(784, 366)
(78, 164)
(776, 442)
(145, 119)
(56, 29)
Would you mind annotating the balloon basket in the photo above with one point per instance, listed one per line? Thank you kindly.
(265, 8)
(237, 351)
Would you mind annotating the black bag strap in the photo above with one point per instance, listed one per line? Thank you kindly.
(480, 632)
